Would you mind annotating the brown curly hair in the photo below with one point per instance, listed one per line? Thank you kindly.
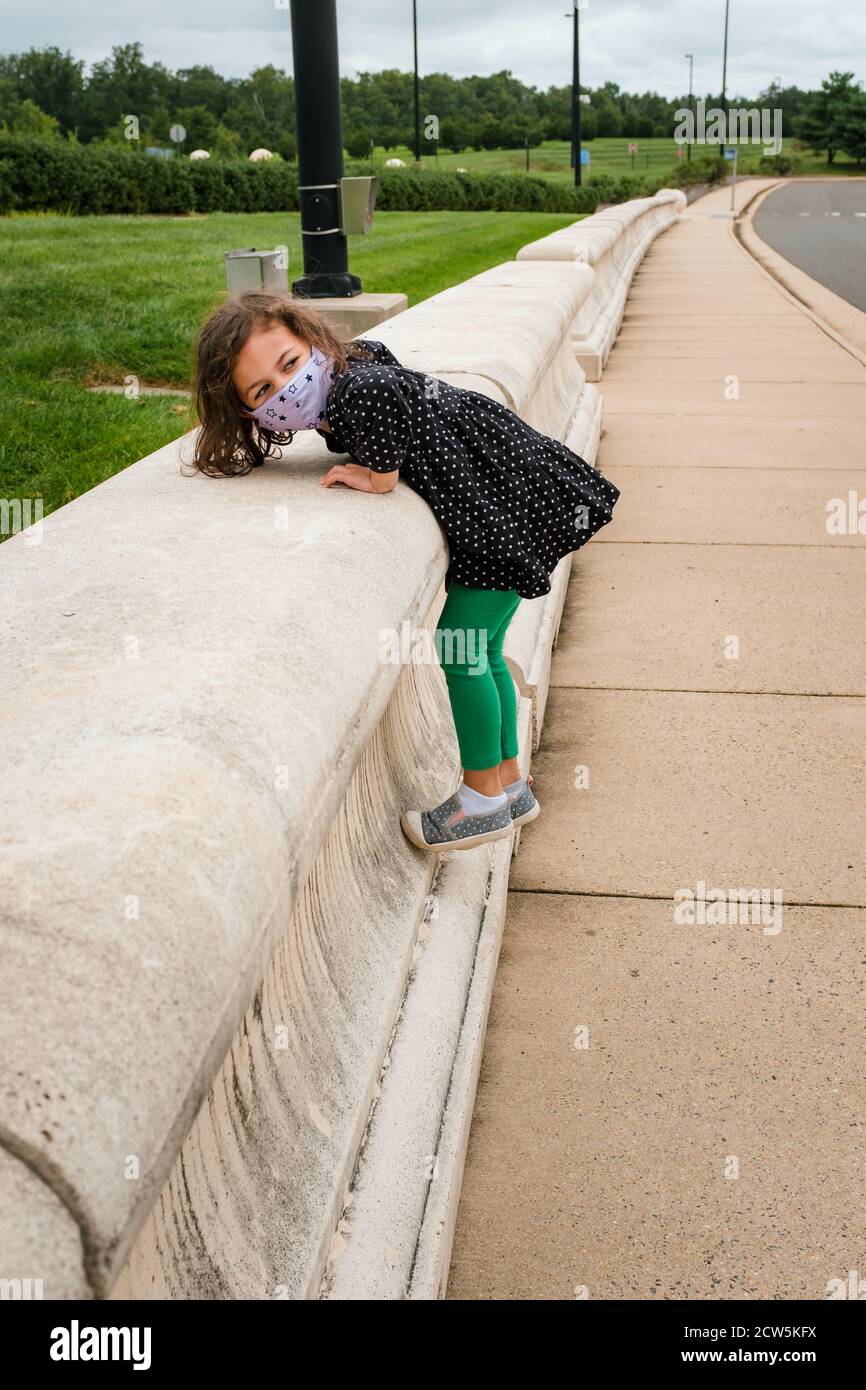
(229, 443)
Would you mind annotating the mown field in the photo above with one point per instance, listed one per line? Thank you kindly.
(89, 300)
(608, 156)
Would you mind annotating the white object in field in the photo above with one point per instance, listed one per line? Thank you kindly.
(199, 154)
(395, 163)
(261, 154)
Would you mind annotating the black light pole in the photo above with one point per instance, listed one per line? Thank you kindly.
(319, 124)
(417, 98)
(575, 97)
(691, 58)
(725, 68)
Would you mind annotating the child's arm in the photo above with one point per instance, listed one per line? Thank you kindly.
(373, 418)
(362, 479)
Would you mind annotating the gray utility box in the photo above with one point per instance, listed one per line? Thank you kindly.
(259, 271)
(357, 200)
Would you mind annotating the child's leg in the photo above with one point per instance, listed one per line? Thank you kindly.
(469, 640)
(508, 769)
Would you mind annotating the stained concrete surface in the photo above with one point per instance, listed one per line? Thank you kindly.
(668, 1110)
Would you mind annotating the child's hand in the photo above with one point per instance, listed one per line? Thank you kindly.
(352, 474)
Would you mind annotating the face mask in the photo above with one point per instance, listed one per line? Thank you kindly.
(300, 403)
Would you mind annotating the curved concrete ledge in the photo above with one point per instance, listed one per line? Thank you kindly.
(242, 1020)
(613, 242)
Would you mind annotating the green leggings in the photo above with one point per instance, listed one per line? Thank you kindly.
(469, 639)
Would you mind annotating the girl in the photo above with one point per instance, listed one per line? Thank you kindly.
(510, 500)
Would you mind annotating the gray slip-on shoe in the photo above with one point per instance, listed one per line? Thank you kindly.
(448, 826)
(523, 805)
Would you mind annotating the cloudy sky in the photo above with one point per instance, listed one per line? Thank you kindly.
(638, 43)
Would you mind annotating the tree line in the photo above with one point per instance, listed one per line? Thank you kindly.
(48, 93)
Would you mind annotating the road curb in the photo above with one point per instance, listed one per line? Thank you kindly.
(841, 321)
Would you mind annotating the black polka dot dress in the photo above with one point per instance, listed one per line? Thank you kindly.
(510, 500)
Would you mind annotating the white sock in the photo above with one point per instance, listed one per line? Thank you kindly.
(476, 804)
(515, 788)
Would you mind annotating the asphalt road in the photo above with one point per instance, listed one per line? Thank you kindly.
(820, 227)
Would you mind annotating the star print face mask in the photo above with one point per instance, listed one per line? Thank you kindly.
(300, 403)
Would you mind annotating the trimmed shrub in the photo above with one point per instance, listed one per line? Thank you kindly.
(60, 176)
(708, 168)
(413, 190)
(781, 164)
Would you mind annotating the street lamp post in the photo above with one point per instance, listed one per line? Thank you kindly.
(691, 58)
(725, 67)
(575, 95)
(320, 152)
(417, 96)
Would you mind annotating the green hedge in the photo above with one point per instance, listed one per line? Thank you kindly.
(782, 164)
(57, 176)
(708, 169)
(428, 191)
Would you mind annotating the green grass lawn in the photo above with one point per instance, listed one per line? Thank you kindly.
(100, 299)
(608, 155)
(552, 159)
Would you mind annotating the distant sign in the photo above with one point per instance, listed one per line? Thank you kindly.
(730, 154)
(177, 134)
(584, 156)
(632, 149)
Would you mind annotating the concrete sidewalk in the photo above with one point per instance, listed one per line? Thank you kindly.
(679, 1111)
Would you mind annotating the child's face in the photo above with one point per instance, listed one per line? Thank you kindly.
(266, 361)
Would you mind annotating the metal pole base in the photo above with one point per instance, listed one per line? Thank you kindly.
(327, 285)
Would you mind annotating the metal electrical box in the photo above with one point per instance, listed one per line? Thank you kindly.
(357, 200)
(259, 271)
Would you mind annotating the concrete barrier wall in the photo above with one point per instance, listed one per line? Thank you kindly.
(613, 242)
(242, 1016)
